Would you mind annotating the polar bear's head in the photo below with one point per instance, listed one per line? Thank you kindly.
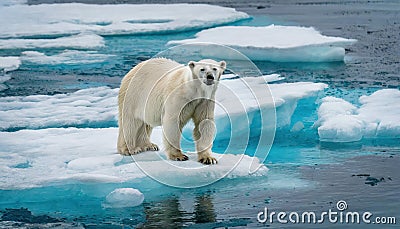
(207, 71)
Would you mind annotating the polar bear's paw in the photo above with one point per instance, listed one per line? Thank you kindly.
(178, 157)
(151, 147)
(123, 151)
(137, 150)
(207, 160)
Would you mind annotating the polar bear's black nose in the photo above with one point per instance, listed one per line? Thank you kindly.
(210, 77)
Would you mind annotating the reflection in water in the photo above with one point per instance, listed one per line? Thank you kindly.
(204, 209)
(169, 213)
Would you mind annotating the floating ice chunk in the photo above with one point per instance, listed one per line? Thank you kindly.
(124, 197)
(2, 80)
(66, 57)
(272, 78)
(73, 18)
(60, 156)
(275, 43)
(298, 126)
(381, 109)
(9, 63)
(12, 2)
(91, 107)
(377, 117)
(80, 41)
(341, 128)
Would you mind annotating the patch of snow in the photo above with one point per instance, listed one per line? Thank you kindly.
(68, 57)
(274, 43)
(88, 106)
(9, 63)
(2, 80)
(377, 117)
(80, 41)
(70, 155)
(12, 2)
(74, 18)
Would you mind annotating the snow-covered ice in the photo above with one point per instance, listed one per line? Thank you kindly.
(2, 80)
(80, 41)
(12, 2)
(34, 158)
(88, 106)
(124, 197)
(97, 107)
(275, 43)
(68, 57)
(74, 18)
(9, 63)
(378, 116)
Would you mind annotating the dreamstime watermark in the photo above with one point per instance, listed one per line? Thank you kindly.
(331, 216)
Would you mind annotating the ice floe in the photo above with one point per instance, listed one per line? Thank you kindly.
(80, 41)
(9, 63)
(12, 2)
(97, 107)
(33, 158)
(92, 107)
(275, 43)
(124, 197)
(74, 18)
(378, 116)
(67, 57)
(2, 80)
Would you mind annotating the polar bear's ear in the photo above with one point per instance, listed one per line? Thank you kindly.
(191, 64)
(222, 64)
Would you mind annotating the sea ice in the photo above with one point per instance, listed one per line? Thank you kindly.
(378, 116)
(2, 80)
(68, 57)
(74, 18)
(275, 43)
(80, 41)
(12, 2)
(124, 197)
(92, 107)
(34, 158)
(9, 63)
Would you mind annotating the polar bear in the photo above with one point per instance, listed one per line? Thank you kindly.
(162, 92)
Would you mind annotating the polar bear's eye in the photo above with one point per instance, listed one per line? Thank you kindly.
(202, 69)
(215, 69)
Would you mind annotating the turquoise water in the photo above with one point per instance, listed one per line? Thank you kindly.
(223, 204)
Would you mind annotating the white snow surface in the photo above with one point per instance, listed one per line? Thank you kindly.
(68, 57)
(96, 106)
(3, 79)
(9, 63)
(40, 111)
(79, 41)
(74, 18)
(124, 197)
(275, 43)
(378, 116)
(12, 2)
(35, 158)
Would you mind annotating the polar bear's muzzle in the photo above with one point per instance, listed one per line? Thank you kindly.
(209, 79)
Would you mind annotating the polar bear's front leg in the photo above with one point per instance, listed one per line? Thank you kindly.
(204, 132)
(172, 130)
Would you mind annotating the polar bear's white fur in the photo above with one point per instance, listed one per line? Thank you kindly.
(162, 92)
